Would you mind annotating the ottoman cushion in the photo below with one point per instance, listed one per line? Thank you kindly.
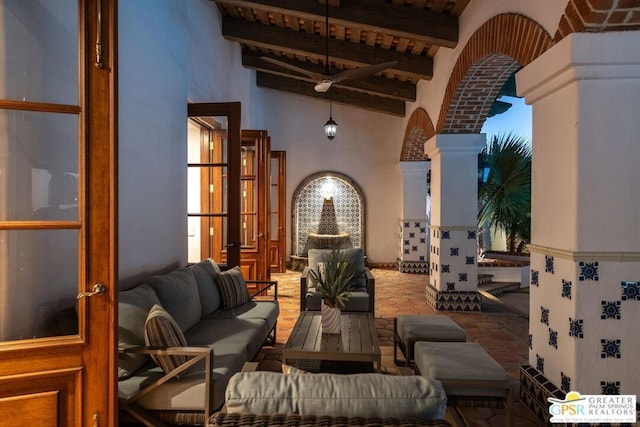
(430, 328)
(464, 368)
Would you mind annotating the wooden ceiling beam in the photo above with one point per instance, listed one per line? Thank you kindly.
(373, 85)
(272, 38)
(342, 96)
(366, 15)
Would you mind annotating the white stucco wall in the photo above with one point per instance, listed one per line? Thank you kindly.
(170, 52)
(547, 13)
(366, 148)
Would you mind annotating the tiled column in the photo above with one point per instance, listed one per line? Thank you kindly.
(453, 279)
(414, 235)
(585, 251)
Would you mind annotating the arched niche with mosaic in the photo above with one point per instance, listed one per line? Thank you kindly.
(327, 203)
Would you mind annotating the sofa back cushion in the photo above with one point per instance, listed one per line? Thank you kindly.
(317, 256)
(178, 294)
(133, 307)
(358, 395)
(205, 273)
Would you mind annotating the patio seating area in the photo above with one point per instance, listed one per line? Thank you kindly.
(501, 329)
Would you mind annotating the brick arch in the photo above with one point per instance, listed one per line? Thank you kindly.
(496, 50)
(419, 130)
(598, 16)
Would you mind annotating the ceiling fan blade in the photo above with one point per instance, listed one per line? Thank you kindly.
(358, 73)
(315, 76)
(323, 86)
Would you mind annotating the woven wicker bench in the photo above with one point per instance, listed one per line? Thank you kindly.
(292, 420)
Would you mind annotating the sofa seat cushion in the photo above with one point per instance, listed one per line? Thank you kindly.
(133, 307)
(205, 273)
(187, 393)
(219, 332)
(178, 294)
(358, 300)
(358, 395)
(265, 310)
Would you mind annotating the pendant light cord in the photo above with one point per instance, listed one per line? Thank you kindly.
(326, 37)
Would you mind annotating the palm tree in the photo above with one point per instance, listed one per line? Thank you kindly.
(505, 198)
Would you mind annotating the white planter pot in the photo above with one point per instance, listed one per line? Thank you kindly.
(330, 319)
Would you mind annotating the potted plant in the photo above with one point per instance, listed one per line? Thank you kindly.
(334, 278)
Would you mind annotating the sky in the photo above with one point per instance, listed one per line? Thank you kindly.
(516, 119)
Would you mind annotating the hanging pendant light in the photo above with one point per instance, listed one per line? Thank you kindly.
(331, 126)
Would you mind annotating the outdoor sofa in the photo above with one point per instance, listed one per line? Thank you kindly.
(200, 325)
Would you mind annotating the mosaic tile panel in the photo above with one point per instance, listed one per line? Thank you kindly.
(453, 300)
(413, 246)
(453, 260)
(349, 210)
(587, 308)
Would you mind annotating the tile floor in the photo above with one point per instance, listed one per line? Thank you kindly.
(501, 329)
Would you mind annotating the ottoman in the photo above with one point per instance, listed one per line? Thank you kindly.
(469, 375)
(407, 330)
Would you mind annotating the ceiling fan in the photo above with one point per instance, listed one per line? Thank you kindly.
(325, 80)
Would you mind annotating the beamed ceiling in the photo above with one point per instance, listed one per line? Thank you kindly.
(362, 32)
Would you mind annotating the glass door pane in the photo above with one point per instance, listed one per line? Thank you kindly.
(213, 186)
(41, 227)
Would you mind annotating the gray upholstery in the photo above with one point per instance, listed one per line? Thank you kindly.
(358, 395)
(469, 368)
(191, 296)
(133, 308)
(265, 310)
(219, 332)
(358, 300)
(178, 294)
(429, 328)
(205, 273)
(362, 297)
(356, 254)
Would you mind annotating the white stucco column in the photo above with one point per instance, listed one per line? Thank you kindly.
(585, 250)
(453, 280)
(413, 254)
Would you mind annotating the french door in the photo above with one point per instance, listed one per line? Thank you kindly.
(278, 244)
(255, 204)
(58, 213)
(214, 182)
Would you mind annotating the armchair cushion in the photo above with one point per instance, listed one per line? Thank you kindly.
(162, 331)
(233, 288)
(316, 256)
(358, 300)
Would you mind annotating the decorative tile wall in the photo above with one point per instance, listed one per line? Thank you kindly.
(413, 256)
(453, 269)
(584, 338)
(307, 208)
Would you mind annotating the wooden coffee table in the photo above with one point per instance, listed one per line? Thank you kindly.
(357, 342)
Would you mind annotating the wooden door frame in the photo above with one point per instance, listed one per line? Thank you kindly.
(232, 110)
(281, 157)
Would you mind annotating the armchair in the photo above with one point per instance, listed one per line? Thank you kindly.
(361, 298)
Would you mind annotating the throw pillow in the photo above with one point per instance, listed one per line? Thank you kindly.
(233, 288)
(161, 330)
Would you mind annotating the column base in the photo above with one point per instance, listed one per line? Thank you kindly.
(535, 389)
(452, 300)
(414, 267)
